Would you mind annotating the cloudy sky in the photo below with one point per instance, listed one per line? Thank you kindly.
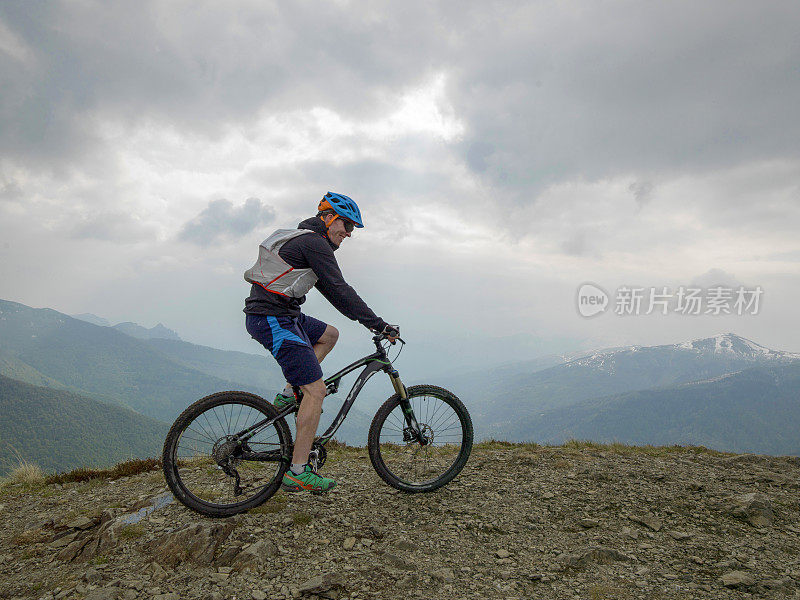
(502, 154)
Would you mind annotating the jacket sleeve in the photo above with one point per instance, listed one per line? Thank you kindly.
(336, 290)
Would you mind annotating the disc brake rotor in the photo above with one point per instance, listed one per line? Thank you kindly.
(425, 434)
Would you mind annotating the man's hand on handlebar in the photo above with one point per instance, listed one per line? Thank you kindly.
(391, 332)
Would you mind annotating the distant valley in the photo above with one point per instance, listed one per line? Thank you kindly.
(753, 410)
(583, 397)
(59, 430)
(151, 376)
(724, 392)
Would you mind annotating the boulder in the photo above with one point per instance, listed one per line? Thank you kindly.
(109, 593)
(648, 520)
(321, 583)
(195, 543)
(595, 554)
(82, 523)
(446, 575)
(737, 579)
(398, 562)
(754, 508)
(72, 551)
(257, 553)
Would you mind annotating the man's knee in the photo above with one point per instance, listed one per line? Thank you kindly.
(315, 390)
(330, 336)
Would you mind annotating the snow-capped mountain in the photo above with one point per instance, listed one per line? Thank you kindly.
(732, 344)
(752, 410)
(504, 409)
(726, 346)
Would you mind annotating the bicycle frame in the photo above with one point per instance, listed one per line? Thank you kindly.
(377, 361)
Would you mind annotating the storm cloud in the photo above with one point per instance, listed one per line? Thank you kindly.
(221, 219)
(543, 143)
(115, 226)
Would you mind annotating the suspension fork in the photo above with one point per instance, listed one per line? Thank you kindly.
(413, 428)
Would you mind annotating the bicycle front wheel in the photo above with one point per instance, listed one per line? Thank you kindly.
(209, 471)
(421, 466)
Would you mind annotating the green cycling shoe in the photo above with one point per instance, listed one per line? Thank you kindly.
(309, 481)
(283, 401)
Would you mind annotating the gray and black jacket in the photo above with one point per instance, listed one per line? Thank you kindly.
(311, 256)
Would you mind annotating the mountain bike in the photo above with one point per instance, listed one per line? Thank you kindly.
(227, 452)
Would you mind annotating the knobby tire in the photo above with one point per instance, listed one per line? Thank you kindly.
(411, 467)
(200, 424)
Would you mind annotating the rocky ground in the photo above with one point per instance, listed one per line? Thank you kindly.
(580, 521)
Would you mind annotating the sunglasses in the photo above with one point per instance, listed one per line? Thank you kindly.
(348, 225)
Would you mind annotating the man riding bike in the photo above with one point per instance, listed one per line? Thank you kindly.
(291, 262)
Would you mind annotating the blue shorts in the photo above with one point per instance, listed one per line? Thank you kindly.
(290, 340)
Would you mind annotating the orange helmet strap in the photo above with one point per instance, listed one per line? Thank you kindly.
(328, 225)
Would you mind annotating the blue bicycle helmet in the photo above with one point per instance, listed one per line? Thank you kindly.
(342, 206)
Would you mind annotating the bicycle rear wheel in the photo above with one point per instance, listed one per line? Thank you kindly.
(412, 466)
(212, 473)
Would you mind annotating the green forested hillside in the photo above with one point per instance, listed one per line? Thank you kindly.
(156, 377)
(59, 430)
(257, 371)
(13, 367)
(49, 348)
(755, 410)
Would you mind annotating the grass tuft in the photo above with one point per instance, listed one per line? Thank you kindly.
(493, 444)
(124, 469)
(302, 518)
(30, 537)
(334, 444)
(130, 532)
(268, 508)
(27, 474)
(24, 473)
(628, 449)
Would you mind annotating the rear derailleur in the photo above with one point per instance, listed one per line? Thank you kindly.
(227, 454)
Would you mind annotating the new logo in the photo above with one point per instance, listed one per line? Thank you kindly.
(592, 300)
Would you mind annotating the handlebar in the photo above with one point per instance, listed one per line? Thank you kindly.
(392, 340)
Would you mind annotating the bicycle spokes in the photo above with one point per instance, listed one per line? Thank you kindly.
(418, 445)
(215, 466)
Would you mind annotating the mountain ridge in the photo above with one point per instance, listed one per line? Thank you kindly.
(752, 410)
(509, 405)
(104, 363)
(60, 430)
